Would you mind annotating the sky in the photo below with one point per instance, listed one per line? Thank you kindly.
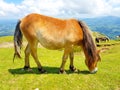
(16, 9)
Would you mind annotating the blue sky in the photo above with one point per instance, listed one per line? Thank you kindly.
(15, 9)
(13, 1)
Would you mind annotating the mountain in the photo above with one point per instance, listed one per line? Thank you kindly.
(7, 27)
(109, 26)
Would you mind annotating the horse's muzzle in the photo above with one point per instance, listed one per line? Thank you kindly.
(94, 71)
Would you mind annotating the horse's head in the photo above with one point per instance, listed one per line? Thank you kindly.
(92, 64)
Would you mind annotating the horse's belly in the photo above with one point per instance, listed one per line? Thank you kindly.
(51, 44)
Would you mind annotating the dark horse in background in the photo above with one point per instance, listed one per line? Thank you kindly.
(53, 33)
(98, 39)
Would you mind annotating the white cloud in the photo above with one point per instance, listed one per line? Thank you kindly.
(42, 6)
(115, 4)
(7, 9)
(61, 8)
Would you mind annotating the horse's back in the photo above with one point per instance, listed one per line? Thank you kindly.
(41, 20)
(33, 22)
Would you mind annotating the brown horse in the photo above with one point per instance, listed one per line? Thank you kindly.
(53, 33)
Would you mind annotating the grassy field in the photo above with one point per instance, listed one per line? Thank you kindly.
(12, 77)
(6, 39)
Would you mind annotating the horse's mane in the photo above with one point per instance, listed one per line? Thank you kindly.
(88, 43)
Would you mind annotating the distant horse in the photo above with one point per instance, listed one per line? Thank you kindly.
(53, 33)
(98, 39)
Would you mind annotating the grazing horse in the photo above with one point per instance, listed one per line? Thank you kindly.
(98, 39)
(53, 33)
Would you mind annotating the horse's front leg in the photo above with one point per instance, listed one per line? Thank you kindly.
(72, 68)
(64, 58)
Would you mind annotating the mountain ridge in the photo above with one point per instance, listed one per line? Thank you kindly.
(108, 25)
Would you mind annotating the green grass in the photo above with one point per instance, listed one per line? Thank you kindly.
(6, 39)
(12, 77)
(108, 43)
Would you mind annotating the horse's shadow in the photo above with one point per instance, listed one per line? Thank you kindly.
(50, 70)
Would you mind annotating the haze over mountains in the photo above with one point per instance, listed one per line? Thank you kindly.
(109, 26)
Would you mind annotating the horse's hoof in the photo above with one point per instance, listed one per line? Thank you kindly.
(76, 71)
(42, 70)
(28, 69)
(62, 72)
(73, 69)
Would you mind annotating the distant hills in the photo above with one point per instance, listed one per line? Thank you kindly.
(109, 26)
(7, 27)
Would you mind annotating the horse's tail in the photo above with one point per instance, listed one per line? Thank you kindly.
(17, 40)
(88, 42)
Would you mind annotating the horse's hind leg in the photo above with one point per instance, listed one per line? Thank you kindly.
(27, 54)
(33, 48)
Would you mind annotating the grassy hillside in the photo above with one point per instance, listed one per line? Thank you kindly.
(12, 77)
(6, 39)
